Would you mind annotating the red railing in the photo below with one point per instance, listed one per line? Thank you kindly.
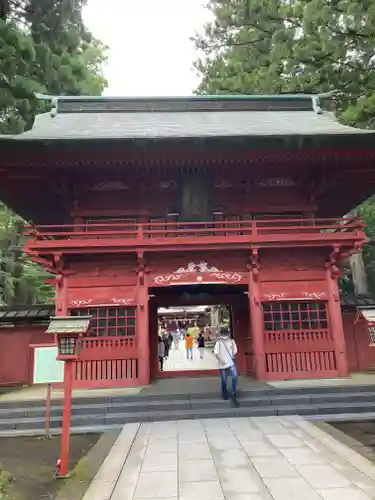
(107, 362)
(165, 233)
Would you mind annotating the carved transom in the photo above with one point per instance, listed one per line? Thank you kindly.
(167, 185)
(110, 186)
(202, 267)
(277, 182)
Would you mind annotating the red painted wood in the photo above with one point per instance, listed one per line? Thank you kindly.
(360, 355)
(190, 233)
(16, 344)
(336, 324)
(240, 324)
(142, 333)
(351, 341)
(153, 157)
(107, 295)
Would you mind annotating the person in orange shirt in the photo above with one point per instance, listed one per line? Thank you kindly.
(189, 346)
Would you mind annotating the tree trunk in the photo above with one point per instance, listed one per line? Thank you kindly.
(359, 275)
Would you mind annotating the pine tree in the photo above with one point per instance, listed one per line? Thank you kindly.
(45, 47)
(297, 46)
(21, 281)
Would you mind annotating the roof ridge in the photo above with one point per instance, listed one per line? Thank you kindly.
(208, 97)
(112, 104)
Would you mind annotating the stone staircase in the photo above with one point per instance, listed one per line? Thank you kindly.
(101, 413)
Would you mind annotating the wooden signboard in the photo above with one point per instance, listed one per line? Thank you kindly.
(47, 370)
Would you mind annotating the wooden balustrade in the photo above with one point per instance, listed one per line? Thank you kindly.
(179, 233)
(108, 348)
(295, 354)
(107, 362)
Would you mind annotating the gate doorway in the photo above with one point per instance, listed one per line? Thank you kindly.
(191, 308)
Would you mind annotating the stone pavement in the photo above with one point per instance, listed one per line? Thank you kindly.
(177, 359)
(266, 458)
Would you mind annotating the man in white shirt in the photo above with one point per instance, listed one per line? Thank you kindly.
(225, 351)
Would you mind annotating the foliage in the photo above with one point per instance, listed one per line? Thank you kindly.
(367, 212)
(45, 48)
(5, 480)
(21, 281)
(297, 46)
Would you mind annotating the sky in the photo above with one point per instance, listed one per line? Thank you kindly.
(150, 53)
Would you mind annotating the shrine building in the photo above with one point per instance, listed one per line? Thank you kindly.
(137, 204)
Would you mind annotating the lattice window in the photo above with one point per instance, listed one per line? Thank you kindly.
(111, 223)
(295, 316)
(110, 321)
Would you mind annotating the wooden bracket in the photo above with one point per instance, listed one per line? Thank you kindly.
(332, 262)
(141, 268)
(254, 265)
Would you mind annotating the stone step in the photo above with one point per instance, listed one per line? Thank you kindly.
(145, 396)
(247, 400)
(226, 410)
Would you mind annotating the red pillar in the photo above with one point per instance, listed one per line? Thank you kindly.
(61, 299)
(335, 323)
(257, 326)
(142, 330)
(65, 435)
(63, 310)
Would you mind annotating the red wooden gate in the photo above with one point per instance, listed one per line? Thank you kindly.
(109, 358)
(298, 341)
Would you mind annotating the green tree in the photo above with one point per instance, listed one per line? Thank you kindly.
(21, 281)
(45, 48)
(307, 46)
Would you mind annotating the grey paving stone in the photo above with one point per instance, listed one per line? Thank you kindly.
(249, 435)
(230, 458)
(285, 440)
(358, 478)
(239, 480)
(302, 456)
(274, 467)
(163, 445)
(203, 490)
(128, 478)
(197, 470)
(99, 490)
(224, 443)
(343, 494)
(156, 485)
(190, 451)
(268, 425)
(288, 488)
(159, 462)
(164, 432)
(323, 476)
(263, 458)
(249, 496)
(259, 449)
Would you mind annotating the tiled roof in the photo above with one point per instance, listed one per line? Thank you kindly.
(26, 313)
(68, 324)
(352, 300)
(168, 118)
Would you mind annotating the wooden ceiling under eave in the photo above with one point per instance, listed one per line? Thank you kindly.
(35, 178)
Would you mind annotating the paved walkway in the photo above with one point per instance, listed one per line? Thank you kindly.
(270, 458)
(177, 359)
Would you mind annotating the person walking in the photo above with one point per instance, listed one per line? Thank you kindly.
(189, 346)
(225, 351)
(161, 353)
(201, 345)
(176, 338)
(166, 344)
